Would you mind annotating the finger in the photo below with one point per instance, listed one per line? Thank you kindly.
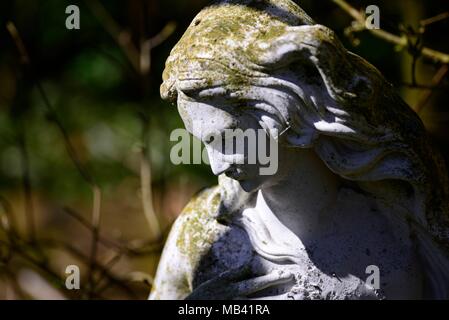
(257, 284)
(283, 296)
(235, 274)
(219, 284)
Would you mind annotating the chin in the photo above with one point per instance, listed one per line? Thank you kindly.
(249, 185)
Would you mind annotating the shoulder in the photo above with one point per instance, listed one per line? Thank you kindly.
(196, 229)
(192, 234)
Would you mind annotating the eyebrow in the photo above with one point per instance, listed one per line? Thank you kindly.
(223, 98)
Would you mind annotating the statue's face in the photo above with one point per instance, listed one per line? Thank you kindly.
(211, 124)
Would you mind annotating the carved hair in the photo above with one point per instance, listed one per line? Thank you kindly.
(338, 104)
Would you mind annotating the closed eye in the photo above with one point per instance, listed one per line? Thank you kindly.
(209, 139)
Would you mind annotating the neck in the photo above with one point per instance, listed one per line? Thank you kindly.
(303, 194)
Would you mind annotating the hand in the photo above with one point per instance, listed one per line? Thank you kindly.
(231, 284)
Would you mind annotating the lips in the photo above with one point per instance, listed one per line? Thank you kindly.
(235, 174)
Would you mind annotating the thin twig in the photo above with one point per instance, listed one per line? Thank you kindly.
(71, 151)
(116, 280)
(423, 86)
(164, 34)
(8, 222)
(102, 276)
(25, 59)
(96, 215)
(122, 37)
(153, 247)
(145, 181)
(439, 17)
(26, 182)
(436, 80)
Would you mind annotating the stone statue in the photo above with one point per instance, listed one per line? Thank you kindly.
(358, 188)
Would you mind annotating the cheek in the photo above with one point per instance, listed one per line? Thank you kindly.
(185, 116)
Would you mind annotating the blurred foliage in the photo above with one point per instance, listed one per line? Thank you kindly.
(110, 111)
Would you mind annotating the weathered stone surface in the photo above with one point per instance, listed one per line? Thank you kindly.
(358, 185)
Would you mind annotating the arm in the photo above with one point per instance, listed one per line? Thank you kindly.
(171, 282)
(192, 234)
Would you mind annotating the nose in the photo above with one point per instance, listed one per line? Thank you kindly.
(217, 163)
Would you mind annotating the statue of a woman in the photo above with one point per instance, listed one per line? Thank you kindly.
(358, 206)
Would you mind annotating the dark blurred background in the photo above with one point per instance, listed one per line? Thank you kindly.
(83, 131)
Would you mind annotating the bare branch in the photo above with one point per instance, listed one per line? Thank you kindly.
(122, 37)
(24, 58)
(164, 34)
(26, 183)
(439, 17)
(145, 182)
(96, 215)
(436, 80)
(402, 41)
(152, 247)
